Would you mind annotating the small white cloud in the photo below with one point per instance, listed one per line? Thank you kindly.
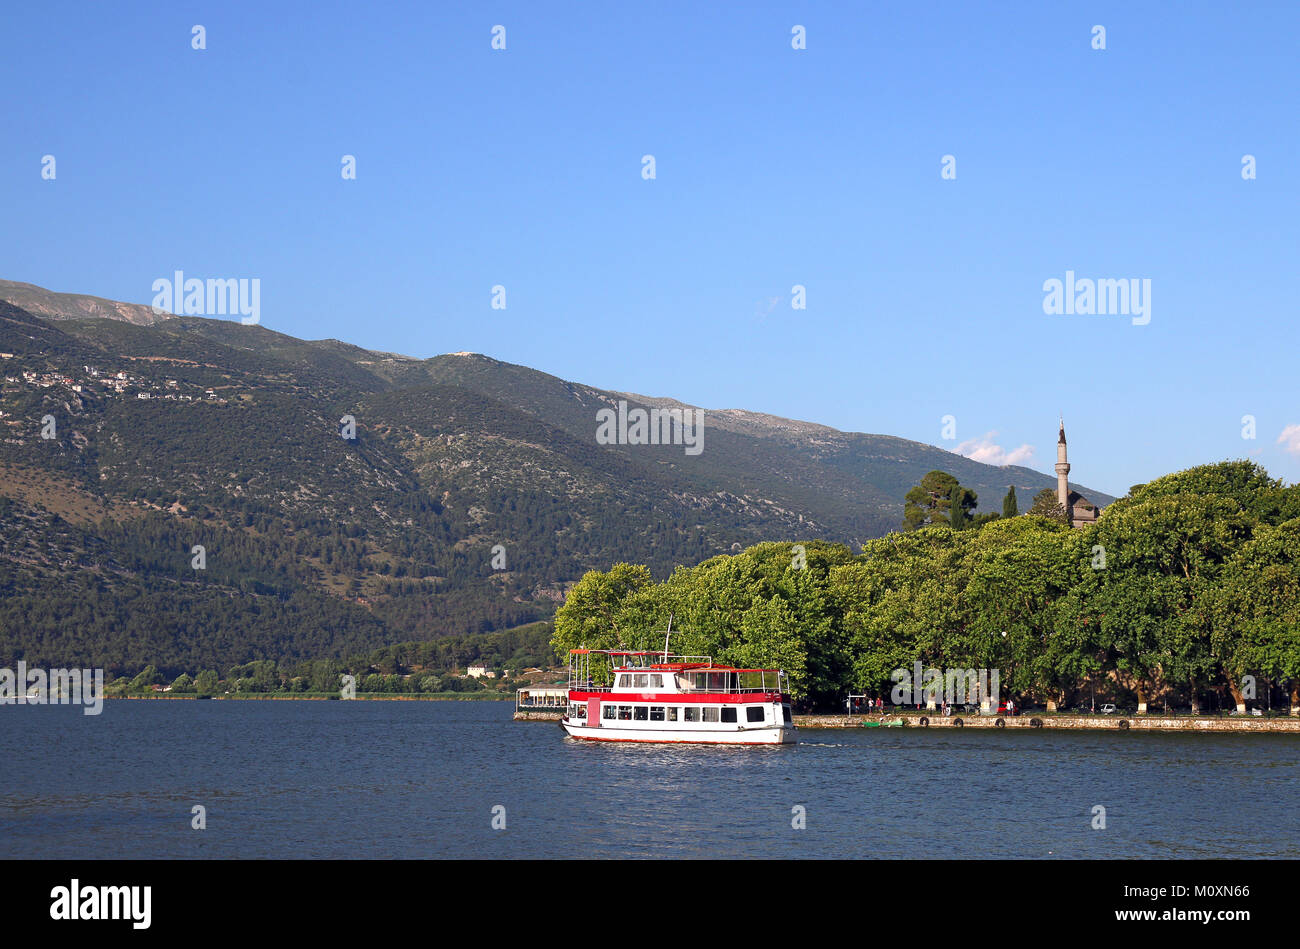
(1290, 439)
(986, 450)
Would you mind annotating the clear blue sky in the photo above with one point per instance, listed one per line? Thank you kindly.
(775, 167)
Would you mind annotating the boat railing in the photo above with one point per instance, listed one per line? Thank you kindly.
(639, 660)
(578, 685)
(772, 683)
(692, 674)
(744, 682)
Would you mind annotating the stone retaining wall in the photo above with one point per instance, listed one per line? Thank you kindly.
(1095, 722)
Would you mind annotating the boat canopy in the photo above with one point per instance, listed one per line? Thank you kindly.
(693, 673)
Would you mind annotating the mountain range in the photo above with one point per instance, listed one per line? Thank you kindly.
(473, 493)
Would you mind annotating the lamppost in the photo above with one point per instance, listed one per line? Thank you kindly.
(997, 698)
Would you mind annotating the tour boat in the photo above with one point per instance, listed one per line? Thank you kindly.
(621, 695)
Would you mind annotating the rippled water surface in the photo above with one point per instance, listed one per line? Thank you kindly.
(420, 779)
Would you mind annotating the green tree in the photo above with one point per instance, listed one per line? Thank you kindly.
(1152, 564)
(900, 604)
(958, 513)
(1046, 505)
(147, 678)
(588, 616)
(1009, 506)
(927, 503)
(325, 676)
(1254, 612)
(1015, 573)
(931, 502)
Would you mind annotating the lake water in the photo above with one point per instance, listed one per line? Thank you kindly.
(420, 779)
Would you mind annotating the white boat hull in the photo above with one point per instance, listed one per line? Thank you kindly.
(755, 735)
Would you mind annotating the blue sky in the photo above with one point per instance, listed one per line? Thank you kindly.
(774, 167)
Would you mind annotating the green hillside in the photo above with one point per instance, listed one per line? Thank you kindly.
(317, 546)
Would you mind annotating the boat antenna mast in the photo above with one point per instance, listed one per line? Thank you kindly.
(668, 633)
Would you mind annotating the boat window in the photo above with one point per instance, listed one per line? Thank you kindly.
(642, 680)
(785, 711)
(722, 681)
(672, 713)
(639, 712)
(710, 714)
(625, 713)
(607, 712)
(656, 713)
(656, 681)
(625, 682)
(728, 714)
(754, 713)
(692, 714)
(582, 711)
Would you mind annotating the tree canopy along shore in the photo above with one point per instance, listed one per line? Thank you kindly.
(1184, 592)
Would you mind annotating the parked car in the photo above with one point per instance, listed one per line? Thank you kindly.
(1108, 709)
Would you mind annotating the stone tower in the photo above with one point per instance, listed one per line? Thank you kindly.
(1062, 472)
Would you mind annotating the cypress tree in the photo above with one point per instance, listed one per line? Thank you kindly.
(956, 509)
(1009, 506)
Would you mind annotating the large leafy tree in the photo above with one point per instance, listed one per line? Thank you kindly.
(1254, 612)
(1017, 570)
(927, 503)
(1153, 560)
(900, 604)
(590, 615)
(767, 608)
(1263, 498)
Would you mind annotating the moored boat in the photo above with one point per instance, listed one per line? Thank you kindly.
(624, 695)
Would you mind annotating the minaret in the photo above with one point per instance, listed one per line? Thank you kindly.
(1062, 472)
